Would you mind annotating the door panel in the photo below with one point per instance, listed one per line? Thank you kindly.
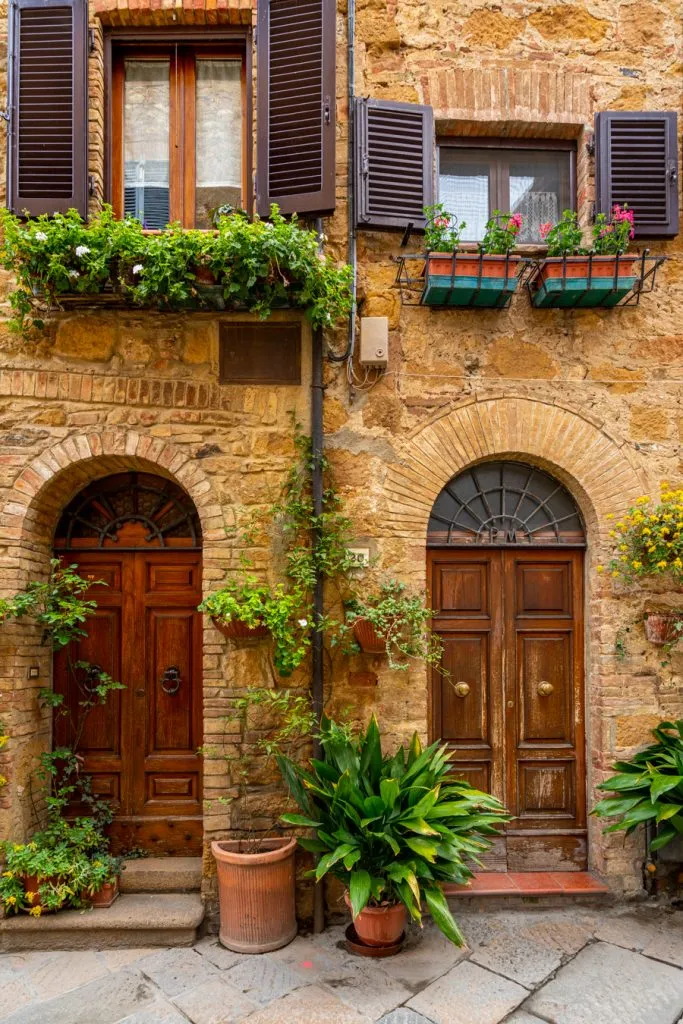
(142, 746)
(512, 627)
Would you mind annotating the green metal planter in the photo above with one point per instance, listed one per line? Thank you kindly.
(466, 279)
(586, 282)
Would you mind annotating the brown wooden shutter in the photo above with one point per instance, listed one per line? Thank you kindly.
(636, 162)
(296, 105)
(394, 157)
(48, 142)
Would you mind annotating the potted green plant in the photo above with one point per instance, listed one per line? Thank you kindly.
(391, 827)
(572, 275)
(395, 623)
(648, 787)
(456, 277)
(648, 539)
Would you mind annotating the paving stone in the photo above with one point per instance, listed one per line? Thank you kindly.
(215, 1002)
(426, 956)
(115, 959)
(469, 994)
(310, 1005)
(218, 955)
(157, 1012)
(263, 979)
(404, 1016)
(175, 970)
(51, 974)
(316, 961)
(660, 936)
(16, 992)
(105, 1000)
(522, 1017)
(519, 959)
(567, 936)
(611, 985)
(369, 990)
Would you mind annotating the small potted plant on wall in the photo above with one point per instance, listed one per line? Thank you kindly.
(457, 277)
(391, 827)
(572, 275)
(395, 623)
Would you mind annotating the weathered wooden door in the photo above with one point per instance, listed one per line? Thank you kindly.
(512, 704)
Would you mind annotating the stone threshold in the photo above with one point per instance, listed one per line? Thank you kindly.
(162, 874)
(530, 883)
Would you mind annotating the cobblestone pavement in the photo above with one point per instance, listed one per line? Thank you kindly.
(569, 966)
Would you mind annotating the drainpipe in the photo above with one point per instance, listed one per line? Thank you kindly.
(317, 389)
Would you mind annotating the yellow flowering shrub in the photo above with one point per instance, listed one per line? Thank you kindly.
(648, 540)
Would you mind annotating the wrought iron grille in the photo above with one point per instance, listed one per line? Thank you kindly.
(505, 503)
(131, 510)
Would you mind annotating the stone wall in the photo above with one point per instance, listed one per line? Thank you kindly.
(593, 396)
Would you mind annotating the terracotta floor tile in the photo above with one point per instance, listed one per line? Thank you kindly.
(536, 881)
(532, 883)
(579, 881)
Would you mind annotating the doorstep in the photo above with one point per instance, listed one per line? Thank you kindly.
(136, 920)
(530, 883)
(162, 874)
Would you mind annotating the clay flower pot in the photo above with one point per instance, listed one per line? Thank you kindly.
(32, 884)
(380, 926)
(204, 275)
(367, 638)
(237, 630)
(256, 893)
(105, 896)
(660, 629)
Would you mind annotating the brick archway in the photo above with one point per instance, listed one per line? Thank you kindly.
(27, 523)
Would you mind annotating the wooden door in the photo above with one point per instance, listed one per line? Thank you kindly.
(512, 701)
(141, 748)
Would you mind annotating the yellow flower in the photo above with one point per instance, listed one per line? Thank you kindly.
(615, 573)
(636, 564)
(610, 515)
(36, 911)
(642, 500)
(12, 900)
(623, 547)
(8, 874)
(600, 568)
(646, 530)
(662, 565)
(613, 533)
(677, 563)
(30, 896)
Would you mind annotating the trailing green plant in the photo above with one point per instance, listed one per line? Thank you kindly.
(500, 236)
(56, 604)
(401, 620)
(442, 230)
(648, 539)
(258, 265)
(392, 828)
(612, 235)
(564, 238)
(648, 787)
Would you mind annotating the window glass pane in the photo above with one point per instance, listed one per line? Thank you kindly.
(464, 176)
(218, 105)
(539, 189)
(146, 141)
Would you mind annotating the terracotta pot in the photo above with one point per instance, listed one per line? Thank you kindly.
(105, 896)
(367, 637)
(204, 275)
(578, 266)
(256, 894)
(236, 630)
(659, 628)
(467, 265)
(32, 884)
(380, 926)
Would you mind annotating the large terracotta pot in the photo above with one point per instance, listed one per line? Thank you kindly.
(380, 926)
(256, 893)
(236, 630)
(367, 638)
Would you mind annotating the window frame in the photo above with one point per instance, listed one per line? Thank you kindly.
(181, 47)
(499, 176)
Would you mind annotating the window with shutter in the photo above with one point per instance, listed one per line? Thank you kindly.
(47, 167)
(296, 95)
(636, 162)
(394, 155)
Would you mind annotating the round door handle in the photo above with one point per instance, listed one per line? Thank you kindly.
(461, 689)
(139, 693)
(544, 689)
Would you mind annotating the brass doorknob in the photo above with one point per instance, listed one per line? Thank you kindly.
(461, 689)
(544, 689)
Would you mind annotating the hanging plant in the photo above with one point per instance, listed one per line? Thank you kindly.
(396, 623)
(648, 540)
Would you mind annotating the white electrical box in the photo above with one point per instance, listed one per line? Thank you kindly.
(374, 341)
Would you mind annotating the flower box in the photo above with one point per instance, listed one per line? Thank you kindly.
(235, 629)
(470, 279)
(583, 281)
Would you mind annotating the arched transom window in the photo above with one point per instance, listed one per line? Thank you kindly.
(505, 503)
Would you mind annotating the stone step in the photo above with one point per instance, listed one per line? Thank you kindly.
(162, 874)
(510, 890)
(136, 920)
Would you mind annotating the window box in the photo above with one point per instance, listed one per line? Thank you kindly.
(460, 279)
(587, 282)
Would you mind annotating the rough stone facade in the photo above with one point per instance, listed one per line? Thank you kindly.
(594, 397)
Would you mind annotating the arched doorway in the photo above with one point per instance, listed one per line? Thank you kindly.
(137, 537)
(505, 568)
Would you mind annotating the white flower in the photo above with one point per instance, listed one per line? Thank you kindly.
(73, 273)
(303, 623)
(82, 250)
(269, 227)
(138, 268)
(40, 236)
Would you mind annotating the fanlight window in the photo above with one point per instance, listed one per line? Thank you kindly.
(505, 503)
(129, 510)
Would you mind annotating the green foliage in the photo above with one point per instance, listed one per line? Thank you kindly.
(442, 231)
(612, 235)
(648, 539)
(390, 827)
(648, 787)
(258, 265)
(564, 238)
(501, 233)
(56, 604)
(401, 620)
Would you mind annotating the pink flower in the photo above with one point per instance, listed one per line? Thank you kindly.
(442, 222)
(545, 229)
(515, 222)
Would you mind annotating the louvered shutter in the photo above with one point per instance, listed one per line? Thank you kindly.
(48, 106)
(394, 157)
(296, 105)
(636, 162)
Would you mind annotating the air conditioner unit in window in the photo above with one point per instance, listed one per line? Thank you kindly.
(146, 192)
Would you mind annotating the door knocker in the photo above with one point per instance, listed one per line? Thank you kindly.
(170, 681)
(93, 678)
